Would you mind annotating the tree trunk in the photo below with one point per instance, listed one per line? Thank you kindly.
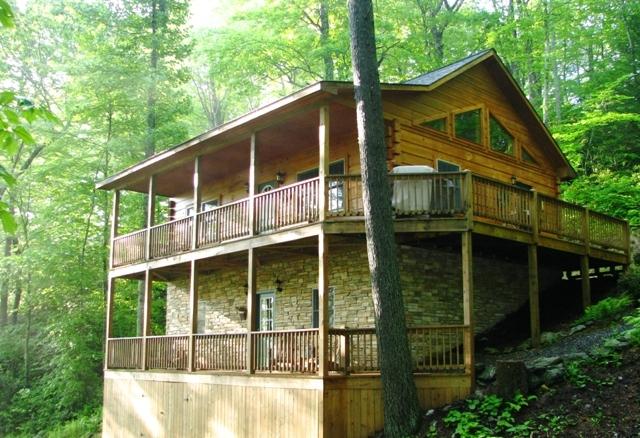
(324, 41)
(4, 285)
(27, 356)
(401, 406)
(158, 17)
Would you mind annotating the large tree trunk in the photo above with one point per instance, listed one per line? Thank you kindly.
(327, 58)
(158, 18)
(401, 407)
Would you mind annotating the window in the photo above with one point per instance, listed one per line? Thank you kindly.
(468, 125)
(336, 188)
(447, 194)
(315, 307)
(437, 124)
(526, 157)
(499, 138)
(202, 316)
(205, 206)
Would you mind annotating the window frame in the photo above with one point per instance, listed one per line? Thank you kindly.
(315, 307)
(514, 141)
(447, 123)
(483, 122)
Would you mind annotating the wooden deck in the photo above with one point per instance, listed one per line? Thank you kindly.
(448, 202)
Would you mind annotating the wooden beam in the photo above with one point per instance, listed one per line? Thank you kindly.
(111, 283)
(151, 209)
(323, 301)
(251, 308)
(323, 166)
(146, 325)
(534, 295)
(468, 198)
(197, 202)
(115, 217)
(253, 168)
(467, 300)
(193, 311)
(585, 281)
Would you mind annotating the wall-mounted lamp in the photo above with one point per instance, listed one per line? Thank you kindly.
(246, 288)
(280, 176)
(242, 312)
(246, 187)
(278, 285)
(514, 179)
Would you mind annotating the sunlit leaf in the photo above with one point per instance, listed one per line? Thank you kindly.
(24, 135)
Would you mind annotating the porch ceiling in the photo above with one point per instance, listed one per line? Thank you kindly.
(232, 158)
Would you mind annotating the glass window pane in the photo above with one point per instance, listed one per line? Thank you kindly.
(437, 124)
(500, 139)
(526, 156)
(468, 125)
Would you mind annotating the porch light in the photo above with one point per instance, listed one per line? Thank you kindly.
(242, 312)
(514, 179)
(278, 285)
(280, 176)
(246, 187)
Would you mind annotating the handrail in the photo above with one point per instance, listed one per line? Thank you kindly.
(288, 186)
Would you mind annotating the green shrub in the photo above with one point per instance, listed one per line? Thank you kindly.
(82, 427)
(629, 282)
(609, 308)
(634, 332)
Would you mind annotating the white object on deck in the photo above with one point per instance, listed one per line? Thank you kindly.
(411, 195)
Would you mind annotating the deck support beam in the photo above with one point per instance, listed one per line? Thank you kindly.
(253, 166)
(151, 209)
(323, 250)
(467, 301)
(111, 283)
(585, 280)
(146, 323)
(197, 202)
(534, 295)
(193, 312)
(115, 218)
(251, 309)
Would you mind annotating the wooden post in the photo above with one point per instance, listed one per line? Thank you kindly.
(197, 202)
(253, 163)
(323, 301)
(146, 324)
(151, 208)
(115, 217)
(251, 309)
(535, 217)
(468, 198)
(111, 283)
(467, 303)
(193, 312)
(534, 297)
(585, 280)
(323, 165)
(586, 233)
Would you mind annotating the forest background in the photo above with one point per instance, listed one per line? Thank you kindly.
(90, 87)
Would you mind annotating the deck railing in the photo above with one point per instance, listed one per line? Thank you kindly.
(129, 248)
(432, 195)
(230, 221)
(124, 353)
(433, 349)
(168, 352)
(289, 205)
(170, 238)
(224, 352)
(292, 351)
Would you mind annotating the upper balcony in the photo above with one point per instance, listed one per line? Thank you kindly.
(439, 201)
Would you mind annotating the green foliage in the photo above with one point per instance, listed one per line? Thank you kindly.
(606, 309)
(490, 416)
(629, 282)
(85, 426)
(634, 321)
(6, 14)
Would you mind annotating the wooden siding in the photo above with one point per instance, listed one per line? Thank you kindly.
(209, 405)
(475, 88)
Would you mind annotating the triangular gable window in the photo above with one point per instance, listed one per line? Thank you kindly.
(526, 157)
(468, 125)
(437, 124)
(499, 138)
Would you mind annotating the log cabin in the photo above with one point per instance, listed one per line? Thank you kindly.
(269, 320)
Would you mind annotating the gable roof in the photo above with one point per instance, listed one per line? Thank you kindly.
(434, 76)
(424, 82)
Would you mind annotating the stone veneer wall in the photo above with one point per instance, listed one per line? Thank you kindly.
(431, 283)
